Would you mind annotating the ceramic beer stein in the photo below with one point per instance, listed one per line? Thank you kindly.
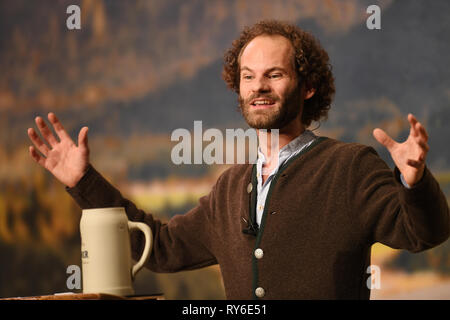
(106, 252)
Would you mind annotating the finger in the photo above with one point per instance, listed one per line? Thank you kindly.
(383, 138)
(39, 159)
(83, 138)
(412, 121)
(41, 146)
(59, 129)
(422, 158)
(423, 145)
(45, 131)
(414, 163)
(421, 130)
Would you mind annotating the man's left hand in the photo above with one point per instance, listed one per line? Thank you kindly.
(409, 156)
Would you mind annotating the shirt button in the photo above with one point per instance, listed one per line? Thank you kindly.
(260, 292)
(259, 253)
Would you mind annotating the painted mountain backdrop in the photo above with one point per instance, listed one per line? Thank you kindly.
(155, 66)
(139, 69)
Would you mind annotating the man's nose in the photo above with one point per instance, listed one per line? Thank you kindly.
(261, 85)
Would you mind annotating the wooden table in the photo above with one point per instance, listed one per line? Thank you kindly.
(88, 296)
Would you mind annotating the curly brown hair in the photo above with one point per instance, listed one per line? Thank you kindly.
(311, 62)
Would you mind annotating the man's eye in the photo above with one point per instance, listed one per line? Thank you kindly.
(247, 77)
(275, 75)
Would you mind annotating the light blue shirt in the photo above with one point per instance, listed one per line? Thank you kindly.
(285, 153)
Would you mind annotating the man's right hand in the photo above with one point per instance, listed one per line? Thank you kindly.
(64, 159)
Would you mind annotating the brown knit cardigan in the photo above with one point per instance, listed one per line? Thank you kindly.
(325, 208)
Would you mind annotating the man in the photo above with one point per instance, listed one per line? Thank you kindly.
(300, 223)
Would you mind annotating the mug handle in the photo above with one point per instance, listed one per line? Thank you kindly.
(148, 245)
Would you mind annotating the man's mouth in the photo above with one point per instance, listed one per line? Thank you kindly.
(262, 103)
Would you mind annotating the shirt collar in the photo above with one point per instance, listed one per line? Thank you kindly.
(292, 147)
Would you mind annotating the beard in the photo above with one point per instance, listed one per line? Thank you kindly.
(275, 117)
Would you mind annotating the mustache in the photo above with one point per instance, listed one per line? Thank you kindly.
(261, 96)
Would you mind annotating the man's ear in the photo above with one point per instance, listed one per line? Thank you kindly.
(309, 93)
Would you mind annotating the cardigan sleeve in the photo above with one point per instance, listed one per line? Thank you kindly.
(184, 243)
(414, 219)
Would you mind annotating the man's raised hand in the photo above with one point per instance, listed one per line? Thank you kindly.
(63, 158)
(409, 156)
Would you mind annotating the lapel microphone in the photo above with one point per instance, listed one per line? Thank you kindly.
(251, 226)
(251, 229)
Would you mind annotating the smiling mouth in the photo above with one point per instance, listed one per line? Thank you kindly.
(263, 103)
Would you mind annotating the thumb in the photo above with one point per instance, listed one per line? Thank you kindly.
(83, 138)
(383, 138)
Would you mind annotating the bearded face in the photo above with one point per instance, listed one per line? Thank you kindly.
(270, 95)
(270, 111)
